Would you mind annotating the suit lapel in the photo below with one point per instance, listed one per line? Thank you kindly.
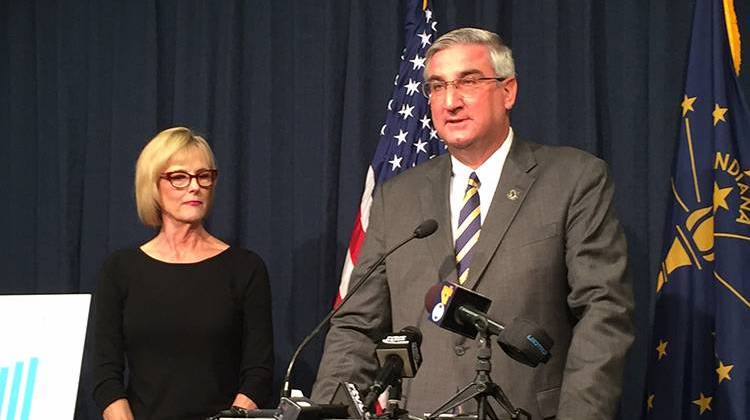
(435, 202)
(515, 181)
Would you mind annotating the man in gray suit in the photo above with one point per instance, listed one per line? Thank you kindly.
(542, 241)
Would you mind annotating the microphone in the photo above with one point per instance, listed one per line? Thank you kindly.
(399, 357)
(526, 342)
(463, 311)
(348, 395)
(425, 229)
(457, 308)
(470, 316)
(301, 408)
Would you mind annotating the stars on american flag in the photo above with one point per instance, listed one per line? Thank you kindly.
(420, 145)
(406, 111)
(401, 136)
(425, 122)
(418, 62)
(407, 138)
(395, 162)
(412, 87)
(425, 38)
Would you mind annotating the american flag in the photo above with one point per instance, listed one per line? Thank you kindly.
(407, 138)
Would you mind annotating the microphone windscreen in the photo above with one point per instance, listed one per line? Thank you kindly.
(415, 333)
(526, 342)
(404, 345)
(426, 228)
(432, 296)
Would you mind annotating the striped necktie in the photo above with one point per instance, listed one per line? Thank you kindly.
(469, 225)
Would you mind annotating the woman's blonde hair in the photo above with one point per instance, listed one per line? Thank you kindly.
(154, 159)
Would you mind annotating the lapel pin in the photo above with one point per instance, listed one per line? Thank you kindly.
(513, 195)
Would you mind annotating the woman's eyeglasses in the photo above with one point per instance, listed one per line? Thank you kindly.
(182, 179)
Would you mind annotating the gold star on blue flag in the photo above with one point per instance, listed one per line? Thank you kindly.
(701, 366)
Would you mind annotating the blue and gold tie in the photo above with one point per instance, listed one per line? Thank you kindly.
(469, 225)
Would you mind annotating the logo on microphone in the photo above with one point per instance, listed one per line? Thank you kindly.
(438, 311)
(446, 294)
(537, 345)
(354, 392)
(396, 339)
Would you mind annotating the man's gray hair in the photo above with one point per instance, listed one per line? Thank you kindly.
(501, 56)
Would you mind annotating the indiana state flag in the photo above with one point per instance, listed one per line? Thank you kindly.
(699, 361)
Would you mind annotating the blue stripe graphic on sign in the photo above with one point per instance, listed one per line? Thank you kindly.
(29, 392)
(17, 374)
(3, 381)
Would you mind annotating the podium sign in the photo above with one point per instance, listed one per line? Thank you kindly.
(41, 346)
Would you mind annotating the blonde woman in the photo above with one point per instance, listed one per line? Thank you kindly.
(182, 323)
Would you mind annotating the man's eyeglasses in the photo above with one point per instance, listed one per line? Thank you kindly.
(182, 179)
(465, 85)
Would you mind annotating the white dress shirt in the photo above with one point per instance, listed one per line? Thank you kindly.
(489, 176)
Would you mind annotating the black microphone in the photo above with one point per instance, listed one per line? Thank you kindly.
(426, 228)
(399, 357)
(463, 311)
(348, 395)
(526, 342)
(455, 308)
(467, 315)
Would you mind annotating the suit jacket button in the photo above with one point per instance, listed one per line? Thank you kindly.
(460, 350)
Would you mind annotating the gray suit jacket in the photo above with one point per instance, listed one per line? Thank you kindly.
(551, 250)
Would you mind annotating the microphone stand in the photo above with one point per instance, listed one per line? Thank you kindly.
(393, 410)
(482, 388)
(425, 229)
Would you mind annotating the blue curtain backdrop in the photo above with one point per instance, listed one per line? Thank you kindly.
(291, 94)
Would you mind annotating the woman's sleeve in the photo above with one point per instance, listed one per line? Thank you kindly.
(109, 359)
(256, 370)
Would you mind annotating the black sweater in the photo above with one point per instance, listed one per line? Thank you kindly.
(191, 335)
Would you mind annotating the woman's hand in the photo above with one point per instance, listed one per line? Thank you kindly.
(242, 400)
(118, 410)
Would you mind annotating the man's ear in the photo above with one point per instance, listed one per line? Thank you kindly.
(510, 87)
